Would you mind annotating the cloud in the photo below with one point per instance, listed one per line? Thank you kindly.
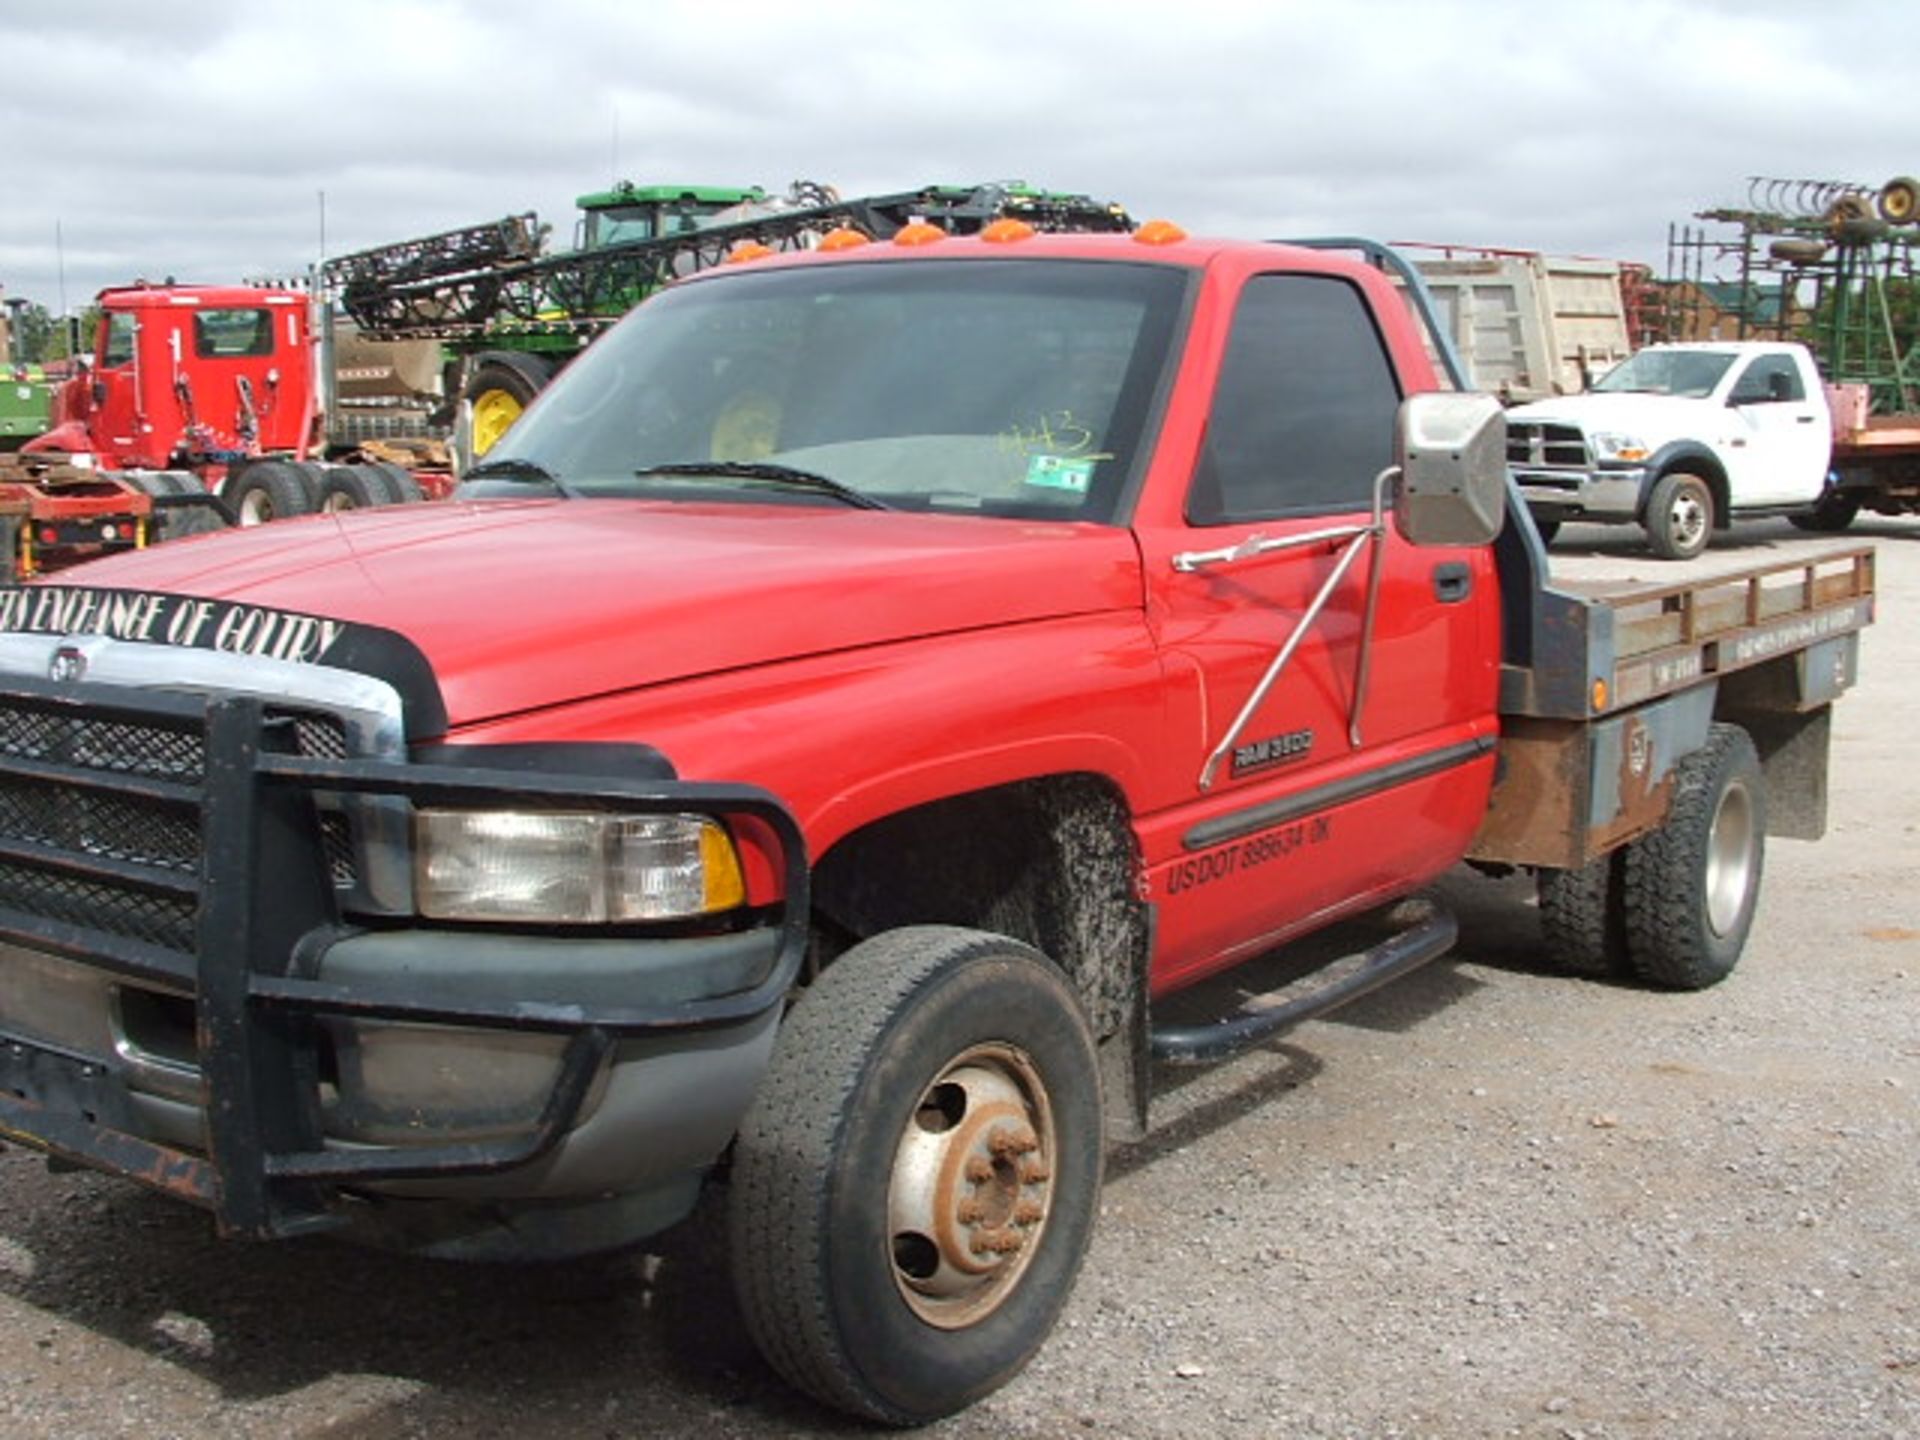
(197, 138)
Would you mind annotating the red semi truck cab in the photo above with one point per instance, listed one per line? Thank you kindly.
(187, 375)
(818, 744)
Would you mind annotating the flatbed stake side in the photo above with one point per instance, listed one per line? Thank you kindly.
(819, 761)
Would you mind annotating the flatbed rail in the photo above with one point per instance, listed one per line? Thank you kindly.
(1619, 644)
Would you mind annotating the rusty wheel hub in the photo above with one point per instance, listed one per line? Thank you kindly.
(969, 1194)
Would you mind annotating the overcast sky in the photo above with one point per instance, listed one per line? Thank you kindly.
(194, 137)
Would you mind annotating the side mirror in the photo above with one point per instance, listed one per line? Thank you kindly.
(1452, 454)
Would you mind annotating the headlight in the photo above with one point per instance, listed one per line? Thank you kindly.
(566, 868)
(1609, 446)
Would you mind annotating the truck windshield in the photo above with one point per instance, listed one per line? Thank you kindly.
(1012, 388)
(1690, 374)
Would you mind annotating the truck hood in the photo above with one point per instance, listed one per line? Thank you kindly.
(523, 604)
(1653, 418)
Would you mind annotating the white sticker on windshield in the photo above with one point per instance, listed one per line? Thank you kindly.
(1059, 472)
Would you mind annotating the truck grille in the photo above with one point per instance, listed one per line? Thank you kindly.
(105, 905)
(1537, 444)
(101, 745)
(109, 848)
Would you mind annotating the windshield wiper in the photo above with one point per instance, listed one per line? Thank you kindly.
(779, 474)
(527, 471)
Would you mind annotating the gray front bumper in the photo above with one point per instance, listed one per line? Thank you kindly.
(1603, 495)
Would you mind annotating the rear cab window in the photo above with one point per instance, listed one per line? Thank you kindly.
(229, 334)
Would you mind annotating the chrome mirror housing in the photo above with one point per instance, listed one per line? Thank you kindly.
(1451, 450)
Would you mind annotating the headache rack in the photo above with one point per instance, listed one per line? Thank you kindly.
(173, 842)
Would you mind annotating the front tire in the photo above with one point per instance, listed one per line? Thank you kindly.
(1679, 516)
(915, 1185)
(1691, 886)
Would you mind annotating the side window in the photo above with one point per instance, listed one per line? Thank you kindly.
(1768, 378)
(1302, 418)
(119, 346)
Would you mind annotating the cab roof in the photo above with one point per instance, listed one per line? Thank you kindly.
(1153, 243)
(141, 296)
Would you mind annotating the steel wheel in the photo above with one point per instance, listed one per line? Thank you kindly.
(1679, 516)
(494, 412)
(1899, 200)
(969, 1196)
(1731, 852)
(1686, 520)
(502, 386)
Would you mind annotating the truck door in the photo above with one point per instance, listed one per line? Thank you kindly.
(247, 367)
(114, 419)
(1782, 438)
(1295, 795)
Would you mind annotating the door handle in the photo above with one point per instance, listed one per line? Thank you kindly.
(1803, 420)
(1452, 582)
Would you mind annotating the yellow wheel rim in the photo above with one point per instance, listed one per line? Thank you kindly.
(1897, 201)
(493, 412)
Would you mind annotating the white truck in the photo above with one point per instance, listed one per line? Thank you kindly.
(1681, 439)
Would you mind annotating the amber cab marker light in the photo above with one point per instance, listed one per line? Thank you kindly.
(748, 250)
(1159, 232)
(845, 238)
(1600, 694)
(919, 232)
(1006, 231)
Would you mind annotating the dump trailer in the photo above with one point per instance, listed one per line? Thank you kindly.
(1527, 326)
(509, 314)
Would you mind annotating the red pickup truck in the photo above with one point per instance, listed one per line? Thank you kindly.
(857, 694)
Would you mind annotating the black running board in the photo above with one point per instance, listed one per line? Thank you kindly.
(1261, 1017)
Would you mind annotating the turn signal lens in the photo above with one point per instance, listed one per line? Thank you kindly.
(748, 250)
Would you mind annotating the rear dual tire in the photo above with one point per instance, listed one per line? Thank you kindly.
(1673, 908)
(363, 487)
(271, 490)
(280, 489)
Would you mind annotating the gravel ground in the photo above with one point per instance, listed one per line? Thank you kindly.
(1483, 1202)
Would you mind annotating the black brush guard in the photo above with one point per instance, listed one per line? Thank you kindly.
(262, 906)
